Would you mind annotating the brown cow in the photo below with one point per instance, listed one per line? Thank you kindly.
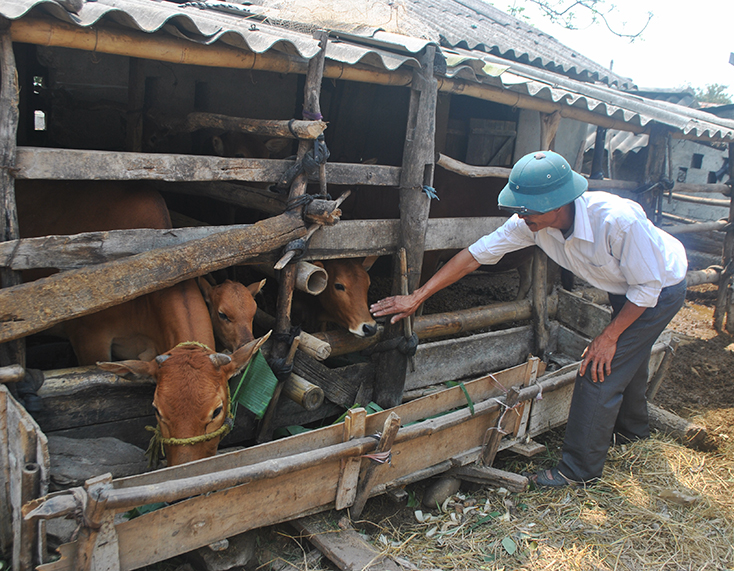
(232, 309)
(344, 301)
(192, 397)
(459, 197)
(154, 324)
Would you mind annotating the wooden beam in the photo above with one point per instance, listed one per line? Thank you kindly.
(723, 298)
(9, 115)
(35, 306)
(72, 164)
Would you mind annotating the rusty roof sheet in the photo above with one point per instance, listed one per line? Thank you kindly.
(600, 99)
(477, 25)
(250, 28)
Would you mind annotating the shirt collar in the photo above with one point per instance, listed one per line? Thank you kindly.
(581, 223)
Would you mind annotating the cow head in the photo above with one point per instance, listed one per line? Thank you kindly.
(191, 395)
(344, 301)
(232, 309)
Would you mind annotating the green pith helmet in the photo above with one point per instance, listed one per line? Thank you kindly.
(541, 182)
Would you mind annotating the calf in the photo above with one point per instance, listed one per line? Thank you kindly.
(344, 301)
(191, 401)
(232, 309)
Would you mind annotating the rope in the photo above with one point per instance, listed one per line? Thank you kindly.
(280, 368)
(156, 449)
(310, 163)
(406, 345)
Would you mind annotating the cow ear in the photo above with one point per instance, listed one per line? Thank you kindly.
(368, 262)
(255, 288)
(139, 368)
(319, 264)
(220, 359)
(276, 145)
(205, 287)
(245, 353)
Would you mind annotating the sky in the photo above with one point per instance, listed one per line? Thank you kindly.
(686, 42)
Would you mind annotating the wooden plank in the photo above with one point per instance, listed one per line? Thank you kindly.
(588, 318)
(453, 359)
(344, 547)
(354, 427)
(35, 306)
(573, 344)
(68, 164)
(349, 238)
(479, 389)
(6, 513)
(340, 385)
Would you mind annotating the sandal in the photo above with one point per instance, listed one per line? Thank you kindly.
(552, 478)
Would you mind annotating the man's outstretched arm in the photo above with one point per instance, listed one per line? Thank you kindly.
(401, 306)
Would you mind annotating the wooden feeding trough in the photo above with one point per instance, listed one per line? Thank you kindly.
(457, 430)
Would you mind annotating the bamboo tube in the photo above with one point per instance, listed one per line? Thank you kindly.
(304, 393)
(316, 348)
(29, 489)
(708, 276)
(310, 278)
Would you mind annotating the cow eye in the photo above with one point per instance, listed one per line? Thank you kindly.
(223, 316)
(339, 287)
(155, 410)
(217, 412)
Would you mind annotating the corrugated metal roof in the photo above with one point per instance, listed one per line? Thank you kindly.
(602, 100)
(476, 25)
(206, 23)
(249, 28)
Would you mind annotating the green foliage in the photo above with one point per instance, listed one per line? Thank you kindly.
(713, 93)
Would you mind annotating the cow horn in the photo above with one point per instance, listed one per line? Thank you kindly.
(220, 359)
(160, 359)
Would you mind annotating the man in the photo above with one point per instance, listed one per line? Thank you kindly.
(609, 242)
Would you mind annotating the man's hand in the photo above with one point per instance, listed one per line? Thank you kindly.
(399, 306)
(600, 352)
(598, 355)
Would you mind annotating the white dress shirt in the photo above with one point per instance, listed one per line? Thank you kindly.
(613, 246)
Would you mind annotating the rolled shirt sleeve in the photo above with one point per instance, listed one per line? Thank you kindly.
(513, 235)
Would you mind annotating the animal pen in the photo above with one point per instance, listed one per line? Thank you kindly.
(123, 91)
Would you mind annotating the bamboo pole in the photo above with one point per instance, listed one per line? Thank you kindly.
(718, 225)
(699, 200)
(138, 44)
(443, 324)
(540, 302)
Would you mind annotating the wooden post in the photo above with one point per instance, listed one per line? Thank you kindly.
(540, 302)
(354, 427)
(389, 431)
(655, 167)
(414, 206)
(135, 102)
(9, 114)
(727, 261)
(548, 128)
(312, 91)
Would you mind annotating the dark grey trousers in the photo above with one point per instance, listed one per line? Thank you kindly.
(617, 405)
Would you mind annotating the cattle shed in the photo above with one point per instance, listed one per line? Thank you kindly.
(403, 94)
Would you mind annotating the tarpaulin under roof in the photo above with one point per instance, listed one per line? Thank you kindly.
(262, 28)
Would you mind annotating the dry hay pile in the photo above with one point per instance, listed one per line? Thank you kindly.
(660, 506)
